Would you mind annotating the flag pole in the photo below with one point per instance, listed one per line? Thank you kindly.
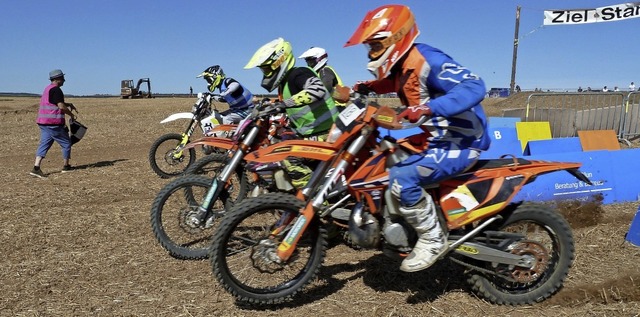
(515, 52)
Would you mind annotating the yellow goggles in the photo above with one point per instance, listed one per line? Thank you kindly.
(266, 70)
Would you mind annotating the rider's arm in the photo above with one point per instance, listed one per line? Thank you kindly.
(232, 86)
(459, 88)
(381, 86)
(309, 85)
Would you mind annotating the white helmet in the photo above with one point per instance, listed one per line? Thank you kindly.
(316, 57)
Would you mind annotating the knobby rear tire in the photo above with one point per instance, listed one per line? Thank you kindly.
(552, 281)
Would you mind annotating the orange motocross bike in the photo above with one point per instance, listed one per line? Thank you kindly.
(270, 247)
(184, 212)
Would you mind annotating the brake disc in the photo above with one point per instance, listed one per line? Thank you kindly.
(536, 254)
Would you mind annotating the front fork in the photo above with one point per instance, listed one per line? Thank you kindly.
(219, 182)
(288, 244)
(177, 152)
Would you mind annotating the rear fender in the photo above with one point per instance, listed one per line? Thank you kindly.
(222, 143)
(176, 116)
(314, 150)
(482, 193)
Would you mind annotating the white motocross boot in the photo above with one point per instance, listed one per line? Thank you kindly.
(431, 239)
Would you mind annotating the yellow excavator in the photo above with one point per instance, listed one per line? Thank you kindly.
(127, 90)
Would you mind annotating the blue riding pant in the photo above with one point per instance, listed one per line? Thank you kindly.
(440, 161)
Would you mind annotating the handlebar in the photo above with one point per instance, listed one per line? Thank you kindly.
(408, 125)
(265, 108)
(207, 94)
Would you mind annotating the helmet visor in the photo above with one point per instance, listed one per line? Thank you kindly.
(311, 61)
(375, 48)
(266, 70)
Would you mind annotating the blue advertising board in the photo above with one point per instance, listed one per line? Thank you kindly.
(559, 145)
(503, 141)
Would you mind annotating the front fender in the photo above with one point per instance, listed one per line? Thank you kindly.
(212, 141)
(176, 116)
(315, 150)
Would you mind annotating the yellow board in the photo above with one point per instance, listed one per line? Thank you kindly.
(595, 140)
(531, 131)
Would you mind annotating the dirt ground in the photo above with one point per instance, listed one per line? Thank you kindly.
(80, 243)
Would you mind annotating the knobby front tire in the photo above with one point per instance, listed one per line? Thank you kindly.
(170, 213)
(161, 156)
(240, 243)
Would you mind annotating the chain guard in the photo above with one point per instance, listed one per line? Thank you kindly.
(540, 258)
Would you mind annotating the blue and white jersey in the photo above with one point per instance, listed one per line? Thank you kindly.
(237, 96)
(429, 76)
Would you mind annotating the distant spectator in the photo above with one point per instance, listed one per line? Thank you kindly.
(580, 89)
(616, 88)
(632, 86)
(518, 88)
(605, 89)
(588, 88)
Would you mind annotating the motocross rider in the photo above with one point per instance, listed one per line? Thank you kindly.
(316, 58)
(432, 84)
(232, 92)
(306, 100)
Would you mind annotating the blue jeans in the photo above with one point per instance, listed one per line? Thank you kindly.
(50, 133)
(439, 162)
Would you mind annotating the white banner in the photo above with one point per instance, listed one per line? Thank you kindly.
(604, 14)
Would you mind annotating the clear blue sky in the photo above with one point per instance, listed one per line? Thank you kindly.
(99, 43)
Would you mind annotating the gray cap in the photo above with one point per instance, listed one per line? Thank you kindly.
(56, 73)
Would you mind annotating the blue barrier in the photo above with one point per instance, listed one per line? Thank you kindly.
(561, 185)
(624, 173)
(504, 140)
(561, 145)
(633, 235)
(503, 122)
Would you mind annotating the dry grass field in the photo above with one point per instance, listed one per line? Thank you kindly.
(80, 243)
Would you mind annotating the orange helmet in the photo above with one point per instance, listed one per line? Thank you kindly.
(388, 32)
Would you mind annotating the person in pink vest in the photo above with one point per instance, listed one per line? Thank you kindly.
(52, 123)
